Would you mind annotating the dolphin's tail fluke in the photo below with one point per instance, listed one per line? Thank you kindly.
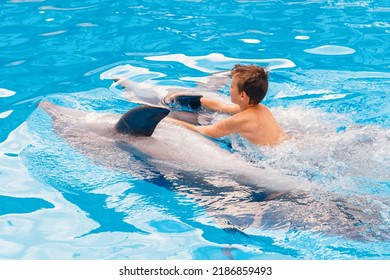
(141, 121)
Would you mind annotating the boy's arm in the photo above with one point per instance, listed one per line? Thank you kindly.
(217, 106)
(208, 103)
(219, 129)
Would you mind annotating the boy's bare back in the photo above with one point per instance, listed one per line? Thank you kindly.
(258, 125)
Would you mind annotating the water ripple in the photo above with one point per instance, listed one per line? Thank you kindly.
(330, 50)
(6, 92)
(207, 64)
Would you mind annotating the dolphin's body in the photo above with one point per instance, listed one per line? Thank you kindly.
(234, 192)
(170, 145)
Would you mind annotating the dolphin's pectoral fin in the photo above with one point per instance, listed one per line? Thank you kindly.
(183, 102)
(141, 121)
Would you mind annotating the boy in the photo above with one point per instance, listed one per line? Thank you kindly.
(250, 119)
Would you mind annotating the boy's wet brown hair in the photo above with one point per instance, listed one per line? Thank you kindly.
(253, 80)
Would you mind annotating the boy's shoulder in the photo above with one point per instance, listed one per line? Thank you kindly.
(244, 116)
(255, 110)
(257, 113)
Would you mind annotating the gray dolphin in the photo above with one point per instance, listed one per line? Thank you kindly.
(162, 143)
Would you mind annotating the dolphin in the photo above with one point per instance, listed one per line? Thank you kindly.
(234, 192)
(143, 131)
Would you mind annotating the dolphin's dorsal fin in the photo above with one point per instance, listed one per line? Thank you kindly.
(141, 121)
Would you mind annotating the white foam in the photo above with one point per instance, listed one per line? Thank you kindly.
(328, 147)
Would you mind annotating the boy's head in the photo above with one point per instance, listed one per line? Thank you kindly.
(253, 80)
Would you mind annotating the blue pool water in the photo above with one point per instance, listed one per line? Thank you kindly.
(329, 89)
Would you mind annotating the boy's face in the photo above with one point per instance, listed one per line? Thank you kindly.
(234, 92)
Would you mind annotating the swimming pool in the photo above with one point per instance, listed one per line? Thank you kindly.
(329, 87)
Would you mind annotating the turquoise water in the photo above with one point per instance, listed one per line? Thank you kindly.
(329, 88)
